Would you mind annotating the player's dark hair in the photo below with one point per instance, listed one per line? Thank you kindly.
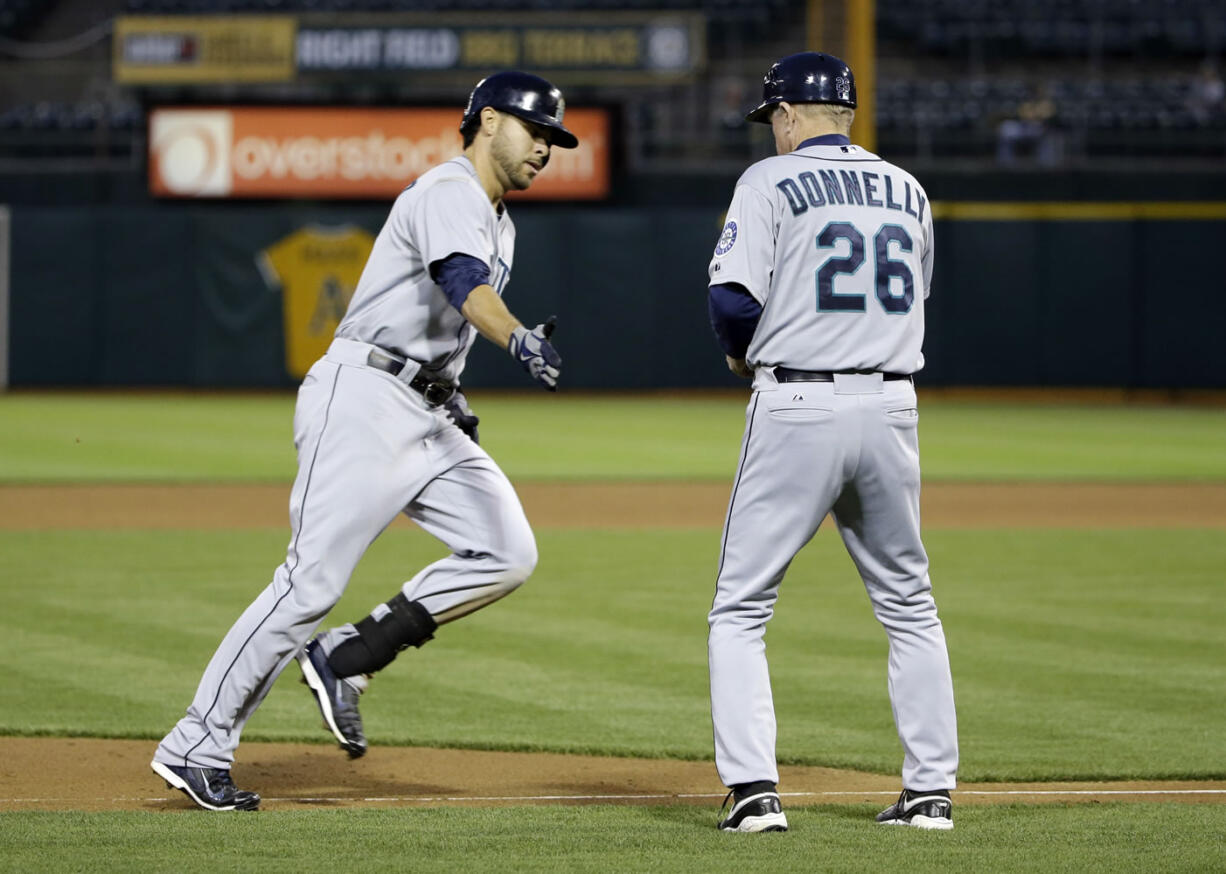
(469, 133)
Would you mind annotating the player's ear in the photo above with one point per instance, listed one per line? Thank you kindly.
(490, 119)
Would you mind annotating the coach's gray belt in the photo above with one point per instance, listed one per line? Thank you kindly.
(787, 374)
(433, 391)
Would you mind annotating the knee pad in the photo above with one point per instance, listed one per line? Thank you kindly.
(391, 627)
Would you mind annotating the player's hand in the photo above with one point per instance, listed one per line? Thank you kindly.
(739, 367)
(461, 413)
(533, 350)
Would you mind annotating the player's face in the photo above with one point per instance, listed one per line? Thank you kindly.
(521, 150)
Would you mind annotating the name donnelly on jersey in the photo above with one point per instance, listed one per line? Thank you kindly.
(844, 187)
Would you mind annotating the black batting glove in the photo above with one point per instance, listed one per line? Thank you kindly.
(461, 413)
(533, 350)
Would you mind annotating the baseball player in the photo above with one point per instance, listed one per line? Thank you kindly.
(381, 428)
(816, 293)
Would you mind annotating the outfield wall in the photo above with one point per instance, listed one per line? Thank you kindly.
(1040, 294)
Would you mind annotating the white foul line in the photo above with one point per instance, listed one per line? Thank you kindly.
(423, 799)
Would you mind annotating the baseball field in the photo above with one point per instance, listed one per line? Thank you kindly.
(1078, 549)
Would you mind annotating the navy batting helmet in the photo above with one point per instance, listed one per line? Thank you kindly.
(524, 95)
(807, 77)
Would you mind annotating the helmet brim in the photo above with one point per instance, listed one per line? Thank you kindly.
(558, 135)
(763, 113)
(561, 137)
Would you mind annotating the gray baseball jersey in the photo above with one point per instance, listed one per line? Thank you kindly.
(836, 246)
(852, 231)
(397, 305)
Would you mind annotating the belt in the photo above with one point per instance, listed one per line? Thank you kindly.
(433, 391)
(787, 374)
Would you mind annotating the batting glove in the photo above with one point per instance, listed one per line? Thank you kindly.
(533, 350)
(461, 413)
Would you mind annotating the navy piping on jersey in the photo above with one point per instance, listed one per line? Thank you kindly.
(826, 140)
(723, 549)
(290, 576)
(843, 160)
(832, 140)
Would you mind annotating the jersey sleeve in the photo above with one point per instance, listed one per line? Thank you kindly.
(745, 251)
(451, 217)
(457, 275)
(734, 317)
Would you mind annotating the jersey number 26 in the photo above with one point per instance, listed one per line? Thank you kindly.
(887, 269)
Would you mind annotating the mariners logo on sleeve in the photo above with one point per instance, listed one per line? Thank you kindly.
(726, 239)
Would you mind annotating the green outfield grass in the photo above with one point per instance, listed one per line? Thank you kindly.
(217, 437)
(1076, 654)
(1082, 839)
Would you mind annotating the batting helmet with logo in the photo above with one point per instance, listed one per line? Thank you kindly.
(807, 77)
(526, 96)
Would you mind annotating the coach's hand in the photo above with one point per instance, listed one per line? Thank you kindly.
(533, 350)
(739, 367)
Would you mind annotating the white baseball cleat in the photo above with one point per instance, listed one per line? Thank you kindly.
(929, 810)
(756, 813)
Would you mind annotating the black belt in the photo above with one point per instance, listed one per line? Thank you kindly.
(787, 374)
(433, 391)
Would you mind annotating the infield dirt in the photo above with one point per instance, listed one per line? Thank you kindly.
(624, 505)
(100, 774)
(92, 774)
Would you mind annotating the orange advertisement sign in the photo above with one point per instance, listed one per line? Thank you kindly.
(335, 152)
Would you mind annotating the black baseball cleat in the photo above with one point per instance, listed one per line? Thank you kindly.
(336, 697)
(755, 813)
(930, 810)
(210, 788)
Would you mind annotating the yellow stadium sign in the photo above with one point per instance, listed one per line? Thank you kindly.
(155, 50)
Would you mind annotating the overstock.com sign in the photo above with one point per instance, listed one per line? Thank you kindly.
(353, 159)
(191, 153)
(336, 152)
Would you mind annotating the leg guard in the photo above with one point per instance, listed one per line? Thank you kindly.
(391, 627)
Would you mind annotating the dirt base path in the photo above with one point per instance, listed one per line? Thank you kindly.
(88, 774)
(624, 505)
